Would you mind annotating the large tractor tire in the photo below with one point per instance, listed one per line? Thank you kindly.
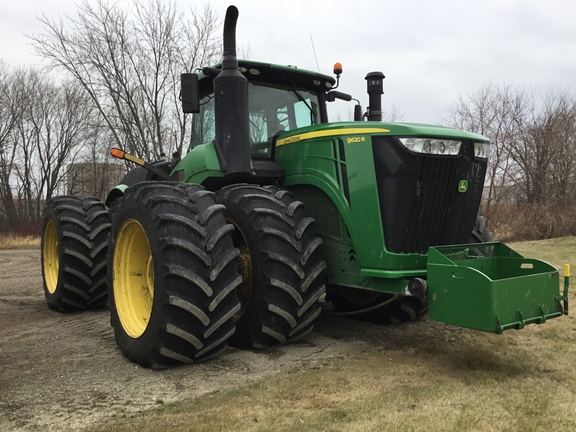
(280, 265)
(74, 246)
(480, 233)
(172, 275)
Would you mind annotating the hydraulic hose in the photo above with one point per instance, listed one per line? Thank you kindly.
(396, 297)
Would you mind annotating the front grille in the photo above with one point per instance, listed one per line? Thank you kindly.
(419, 198)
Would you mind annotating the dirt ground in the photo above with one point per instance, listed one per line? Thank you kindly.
(65, 372)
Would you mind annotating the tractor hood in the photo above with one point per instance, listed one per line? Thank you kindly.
(364, 128)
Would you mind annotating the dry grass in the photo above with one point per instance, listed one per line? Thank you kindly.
(452, 379)
(557, 251)
(11, 241)
(476, 382)
(526, 223)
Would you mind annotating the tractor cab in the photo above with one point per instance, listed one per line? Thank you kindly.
(280, 99)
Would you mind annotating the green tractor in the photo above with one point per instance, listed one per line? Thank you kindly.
(275, 211)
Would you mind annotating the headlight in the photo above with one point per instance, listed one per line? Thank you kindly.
(482, 150)
(432, 146)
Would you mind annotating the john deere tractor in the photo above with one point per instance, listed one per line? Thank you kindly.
(274, 210)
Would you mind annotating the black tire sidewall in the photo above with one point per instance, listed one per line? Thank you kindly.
(256, 306)
(54, 300)
(136, 347)
(186, 233)
(480, 233)
(269, 219)
(82, 226)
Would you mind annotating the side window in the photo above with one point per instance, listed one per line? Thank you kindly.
(203, 124)
(260, 138)
(302, 113)
(258, 126)
(285, 120)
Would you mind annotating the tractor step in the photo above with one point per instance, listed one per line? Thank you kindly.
(491, 287)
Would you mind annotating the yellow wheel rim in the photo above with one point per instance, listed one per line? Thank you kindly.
(51, 259)
(133, 278)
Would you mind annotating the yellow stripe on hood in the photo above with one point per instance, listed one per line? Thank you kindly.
(328, 133)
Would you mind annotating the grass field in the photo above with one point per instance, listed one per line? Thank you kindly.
(9, 241)
(443, 378)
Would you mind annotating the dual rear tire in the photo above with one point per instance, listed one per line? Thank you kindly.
(74, 246)
(188, 271)
(279, 262)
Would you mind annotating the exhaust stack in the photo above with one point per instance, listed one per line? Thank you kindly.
(231, 106)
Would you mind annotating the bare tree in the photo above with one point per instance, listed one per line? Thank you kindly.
(25, 84)
(51, 130)
(500, 113)
(94, 172)
(129, 64)
(10, 114)
(544, 152)
(533, 149)
(64, 134)
(556, 130)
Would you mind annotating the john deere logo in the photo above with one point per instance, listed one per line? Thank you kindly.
(463, 186)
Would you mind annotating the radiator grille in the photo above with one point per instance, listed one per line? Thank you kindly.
(420, 203)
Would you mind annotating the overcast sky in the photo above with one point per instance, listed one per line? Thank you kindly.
(430, 51)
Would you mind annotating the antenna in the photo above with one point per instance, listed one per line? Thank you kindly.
(314, 50)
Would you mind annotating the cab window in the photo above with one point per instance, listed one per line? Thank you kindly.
(273, 110)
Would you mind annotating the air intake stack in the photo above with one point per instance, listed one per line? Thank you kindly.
(375, 83)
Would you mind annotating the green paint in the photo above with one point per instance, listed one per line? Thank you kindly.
(490, 287)
(330, 167)
(200, 164)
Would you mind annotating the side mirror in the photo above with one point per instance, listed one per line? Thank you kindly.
(332, 95)
(189, 93)
(358, 112)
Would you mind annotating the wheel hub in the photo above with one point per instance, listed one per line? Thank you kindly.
(51, 261)
(133, 278)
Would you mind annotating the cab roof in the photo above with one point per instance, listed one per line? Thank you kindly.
(272, 73)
